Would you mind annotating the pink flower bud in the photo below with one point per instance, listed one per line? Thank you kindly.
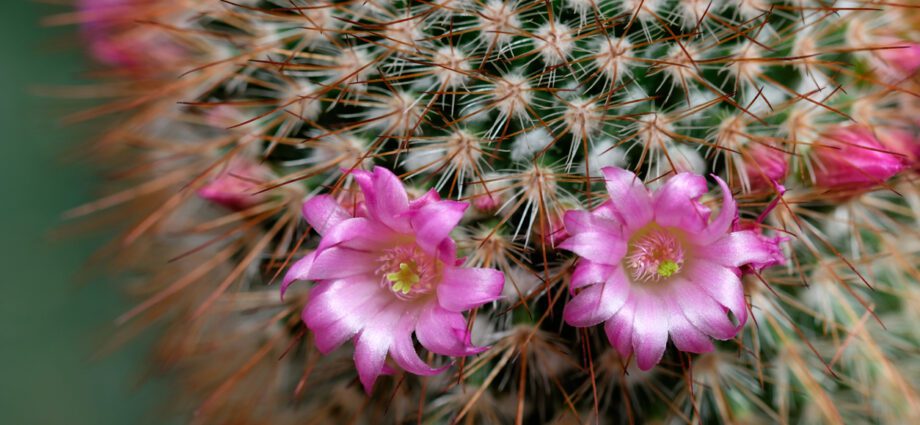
(764, 166)
(110, 28)
(490, 193)
(851, 157)
(237, 186)
(486, 202)
(899, 59)
(902, 141)
(555, 231)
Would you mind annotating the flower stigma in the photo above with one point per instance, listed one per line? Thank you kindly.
(404, 279)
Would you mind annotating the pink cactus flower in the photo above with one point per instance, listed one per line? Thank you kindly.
(654, 265)
(850, 157)
(237, 186)
(387, 269)
(900, 59)
(764, 167)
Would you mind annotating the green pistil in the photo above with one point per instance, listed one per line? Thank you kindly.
(404, 279)
(667, 268)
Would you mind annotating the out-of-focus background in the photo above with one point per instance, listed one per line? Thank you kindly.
(50, 324)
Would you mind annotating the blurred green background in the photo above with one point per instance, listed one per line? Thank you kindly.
(50, 325)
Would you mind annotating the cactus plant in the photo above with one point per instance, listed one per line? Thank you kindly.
(469, 189)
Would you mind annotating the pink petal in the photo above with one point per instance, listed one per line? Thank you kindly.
(677, 203)
(740, 248)
(403, 349)
(358, 233)
(723, 222)
(373, 343)
(444, 332)
(323, 212)
(607, 211)
(385, 197)
(598, 303)
(588, 272)
(431, 196)
(597, 246)
(702, 311)
(434, 222)
(447, 252)
(583, 221)
(337, 262)
(722, 284)
(619, 328)
(338, 309)
(650, 330)
(465, 288)
(684, 335)
(299, 271)
(631, 200)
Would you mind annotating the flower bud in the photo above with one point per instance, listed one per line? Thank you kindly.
(236, 187)
(851, 157)
(763, 166)
(902, 141)
(899, 59)
(110, 28)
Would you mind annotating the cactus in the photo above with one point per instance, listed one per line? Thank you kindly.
(517, 211)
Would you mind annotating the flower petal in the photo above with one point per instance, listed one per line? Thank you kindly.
(373, 343)
(597, 246)
(323, 212)
(741, 248)
(338, 309)
(583, 221)
(434, 222)
(431, 196)
(299, 271)
(619, 328)
(588, 272)
(722, 284)
(444, 332)
(465, 288)
(702, 311)
(723, 222)
(684, 335)
(631, 200)
(447, 252)
(598, 303)
(650, 330)
(385, 197)
(677, 203)
(338, 262)
(403, 349)
(607, 211)
(357, 233)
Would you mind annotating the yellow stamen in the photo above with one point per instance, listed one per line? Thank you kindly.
(668, 268)
(404, 279)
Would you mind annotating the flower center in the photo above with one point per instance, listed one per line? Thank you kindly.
(404, 279)
(408, 272)
(654, 256)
